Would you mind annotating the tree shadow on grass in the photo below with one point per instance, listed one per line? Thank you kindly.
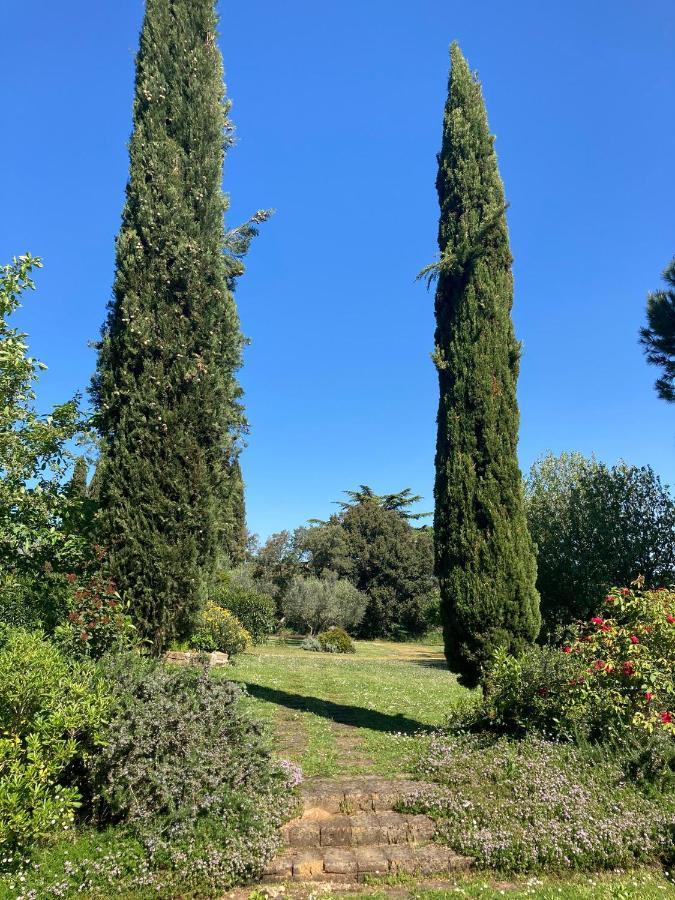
(357, 716)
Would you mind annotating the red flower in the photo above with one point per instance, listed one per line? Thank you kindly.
(666, 718)
(648, 696)
(610, 599)
(597, 620)
(625, 591)
(628, 668)
(606, 628)
(599, 664)
(634, 639)
(566, 649)
(670, 619)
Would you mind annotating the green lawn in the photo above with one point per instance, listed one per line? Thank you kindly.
(361, 713)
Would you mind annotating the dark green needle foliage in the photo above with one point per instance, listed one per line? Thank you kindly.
(485, 559)
(658, 338)
(166, 389)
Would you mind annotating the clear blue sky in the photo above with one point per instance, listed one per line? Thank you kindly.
(338, 110)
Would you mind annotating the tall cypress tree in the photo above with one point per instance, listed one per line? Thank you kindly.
(485, 559)
(166, 388)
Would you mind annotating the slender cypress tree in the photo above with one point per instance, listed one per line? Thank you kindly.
(77, 487)
(485, 559)
(235, 534)
(166, 388)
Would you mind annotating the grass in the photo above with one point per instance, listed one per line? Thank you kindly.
(641, 885)
(361, 713)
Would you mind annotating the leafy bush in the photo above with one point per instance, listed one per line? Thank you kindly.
(311, 643)
(596, 526)
(617, 676)
(52, 711)
(336, 640)
(219, 629)
(255, 610)
(532, 805)
(96, 621)
(189, 773)
(313, 604)
(38, 516)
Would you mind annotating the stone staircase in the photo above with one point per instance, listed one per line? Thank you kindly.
(348, 829)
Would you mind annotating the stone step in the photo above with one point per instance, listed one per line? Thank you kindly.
(357, 830)
(365, 793)
(337, 864)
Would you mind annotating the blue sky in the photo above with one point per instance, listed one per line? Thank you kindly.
(338, 111)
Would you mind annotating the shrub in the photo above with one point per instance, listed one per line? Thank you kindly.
(256, 611)
(533, 805)
(52, 710)
(595, 526)
(96, 621)
(311, 643)
(219, 629)
(616, 676)
(189, 773)
(313, 604)
(336, 640)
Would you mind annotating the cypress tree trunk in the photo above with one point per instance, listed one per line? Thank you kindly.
(485, 559)
(165, 389)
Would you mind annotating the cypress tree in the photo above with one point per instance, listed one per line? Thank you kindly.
(235, 534)
(166, 389)
(77, 487)
(484, 556)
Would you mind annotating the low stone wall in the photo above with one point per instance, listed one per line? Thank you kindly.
(196, 658)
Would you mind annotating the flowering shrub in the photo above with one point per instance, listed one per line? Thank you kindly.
(189, 775)
(256, 611)
(219, 629)
(616, 676)
(336, 640)
(52, 711)
(531, 805)
(628, 660)
(96, 619)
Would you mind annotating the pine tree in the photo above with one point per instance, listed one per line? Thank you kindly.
(658, 338)
(166, 389)
(485, 559)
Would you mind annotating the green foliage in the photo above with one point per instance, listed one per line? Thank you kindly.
(97, 622)
(218, 629)
(189, 774)
(168, 402)
(38, 537)
(52, 711)
(336, 640)
(658, 338)
(484, 555)
(312, 604)
(532, 805)
(616, 678)
(256, 611)
(398, 502)
(596, 526)
(372, 545)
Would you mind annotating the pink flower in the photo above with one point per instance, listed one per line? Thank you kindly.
(666, 718)
(566, 649)
(634, 639)
(610, 599)
(670, 619)
(648, 696)
(597, 620)
(628, 668)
